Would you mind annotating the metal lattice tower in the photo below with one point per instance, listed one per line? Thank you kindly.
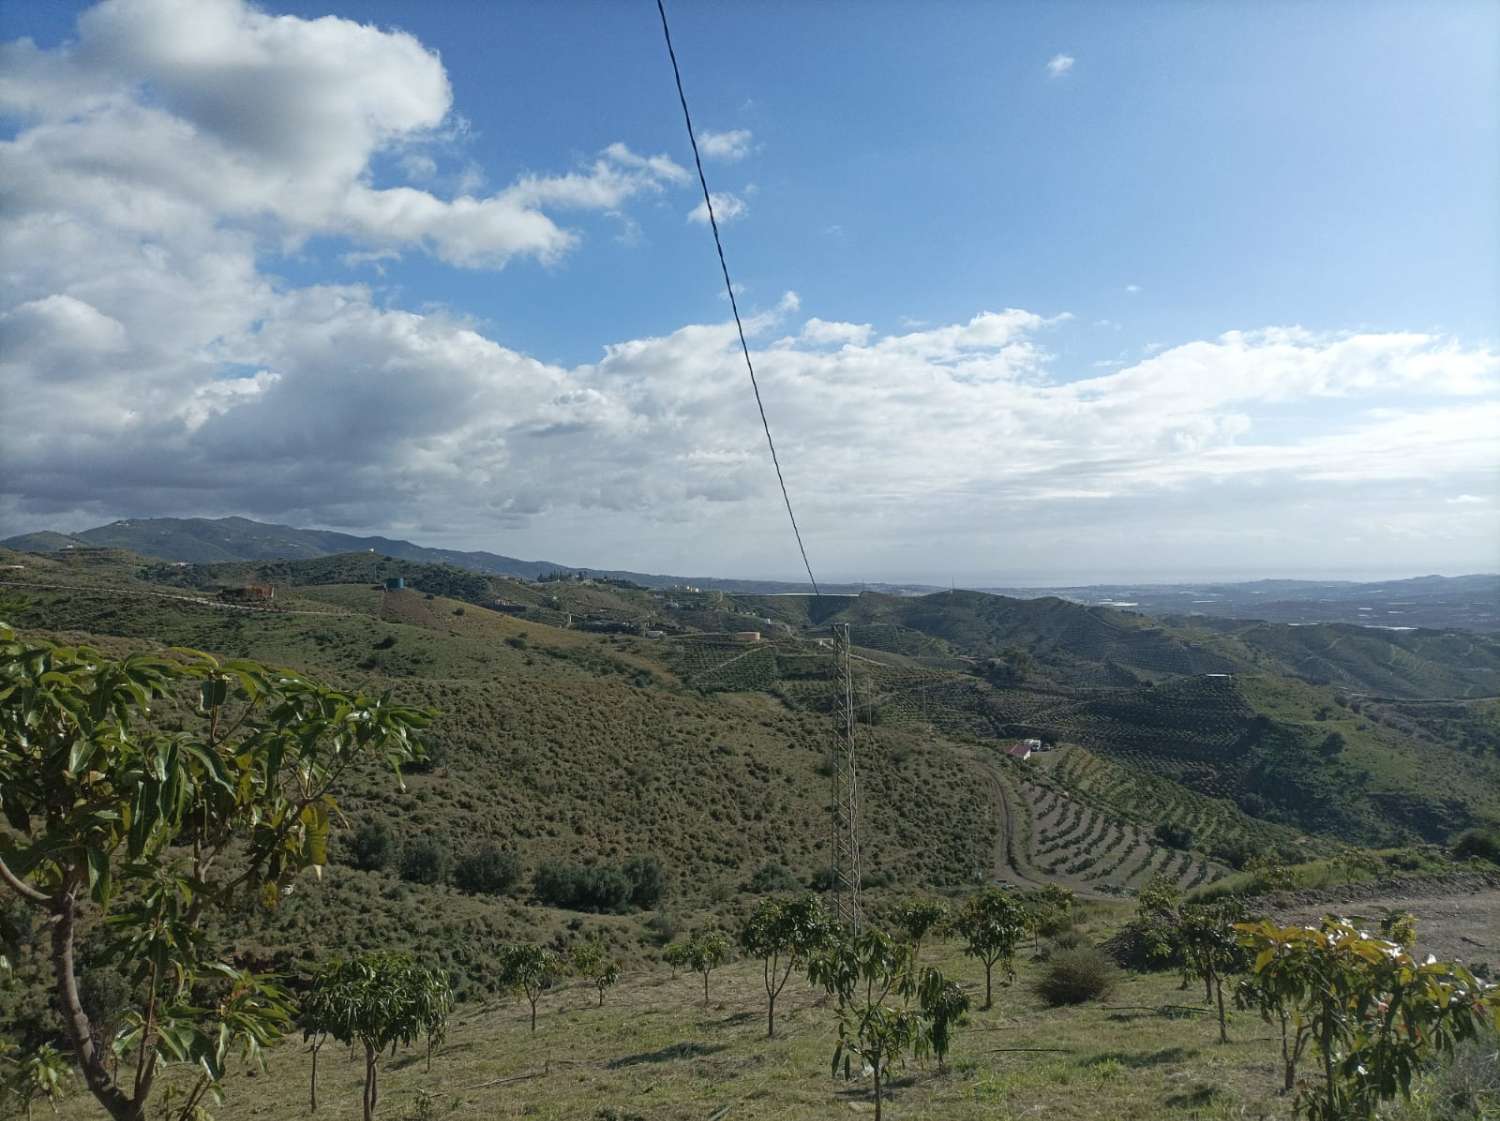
(845, 806)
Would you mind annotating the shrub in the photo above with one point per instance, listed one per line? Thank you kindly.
(772, 876)
(425, 861)
(1077, 975)
(372, 847)
(1482, 844)
(1174, 836)
(489, 870)
(825, 879)
(648, 879)
(581, 887)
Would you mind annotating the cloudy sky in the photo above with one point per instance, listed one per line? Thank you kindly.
(1040, 293)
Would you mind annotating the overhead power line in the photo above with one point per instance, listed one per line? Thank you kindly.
(708, 202)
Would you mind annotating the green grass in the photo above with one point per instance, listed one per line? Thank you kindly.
(654, 1052)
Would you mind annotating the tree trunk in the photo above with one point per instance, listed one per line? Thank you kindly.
(312, 1106)
(533, 1017)
(601, 998)
(1223, 1030)
(989, 997)
(705, 990)
(76, 1020)
(771, 1017)
(372, 1058)
(877, 1090)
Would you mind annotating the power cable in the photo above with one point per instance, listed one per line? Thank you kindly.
(708, 202)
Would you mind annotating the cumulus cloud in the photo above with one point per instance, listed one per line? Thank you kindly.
(163, 113)
(727, 208)
(817, 330)
(727, 147)
(151, 367)
(1059, 64)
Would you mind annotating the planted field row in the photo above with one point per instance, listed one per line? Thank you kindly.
(1072, 839)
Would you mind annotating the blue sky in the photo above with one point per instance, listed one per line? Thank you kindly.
(1190, 171)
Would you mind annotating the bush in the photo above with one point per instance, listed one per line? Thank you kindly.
(1482, 844)
(1077, 975)
(579, 887)
(648, 880)
(372, 847)
(488, 870)
(772, 876)
(425, 861)
(1174, 836)
(825, 879)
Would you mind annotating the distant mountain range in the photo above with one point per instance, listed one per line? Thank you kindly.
(221, 540)
(1472, 602)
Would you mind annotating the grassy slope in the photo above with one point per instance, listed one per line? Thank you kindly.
(654, 1052)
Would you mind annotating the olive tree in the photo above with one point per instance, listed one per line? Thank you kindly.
(992, 923)
(531, 969)
(378, 1000)
(130, 810)
(706, 951)
(918, 918)
(783, 933)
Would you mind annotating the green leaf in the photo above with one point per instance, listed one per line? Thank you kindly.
(99, 875)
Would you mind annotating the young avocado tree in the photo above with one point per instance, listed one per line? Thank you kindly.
(593, 961)
(530, 968)
(784, 934)
(146, 828)
(871, 975)
(992, 923)
(1211, 946)
(676, 955)
(1049, 910)
(944, 1006)
(43, 1073)
(1376, 1013)
(915, 919)
(706, 951)
(378, 1000)
(1280, 979)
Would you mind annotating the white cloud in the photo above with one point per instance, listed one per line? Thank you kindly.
(150, 367)
(1059, 64)
(728, 147)
(143, 120)
(727, 208)
(1132, 288)
(818, 331)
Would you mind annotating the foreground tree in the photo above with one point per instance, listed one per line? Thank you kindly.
(531, 969)
(1212, 949)
(1374, 1012)
(378, 1000)
(784, 934)
(992, 923)
(127, 821)
(871, 975)
(944, 1006)
(916, 919)
(706, 951)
